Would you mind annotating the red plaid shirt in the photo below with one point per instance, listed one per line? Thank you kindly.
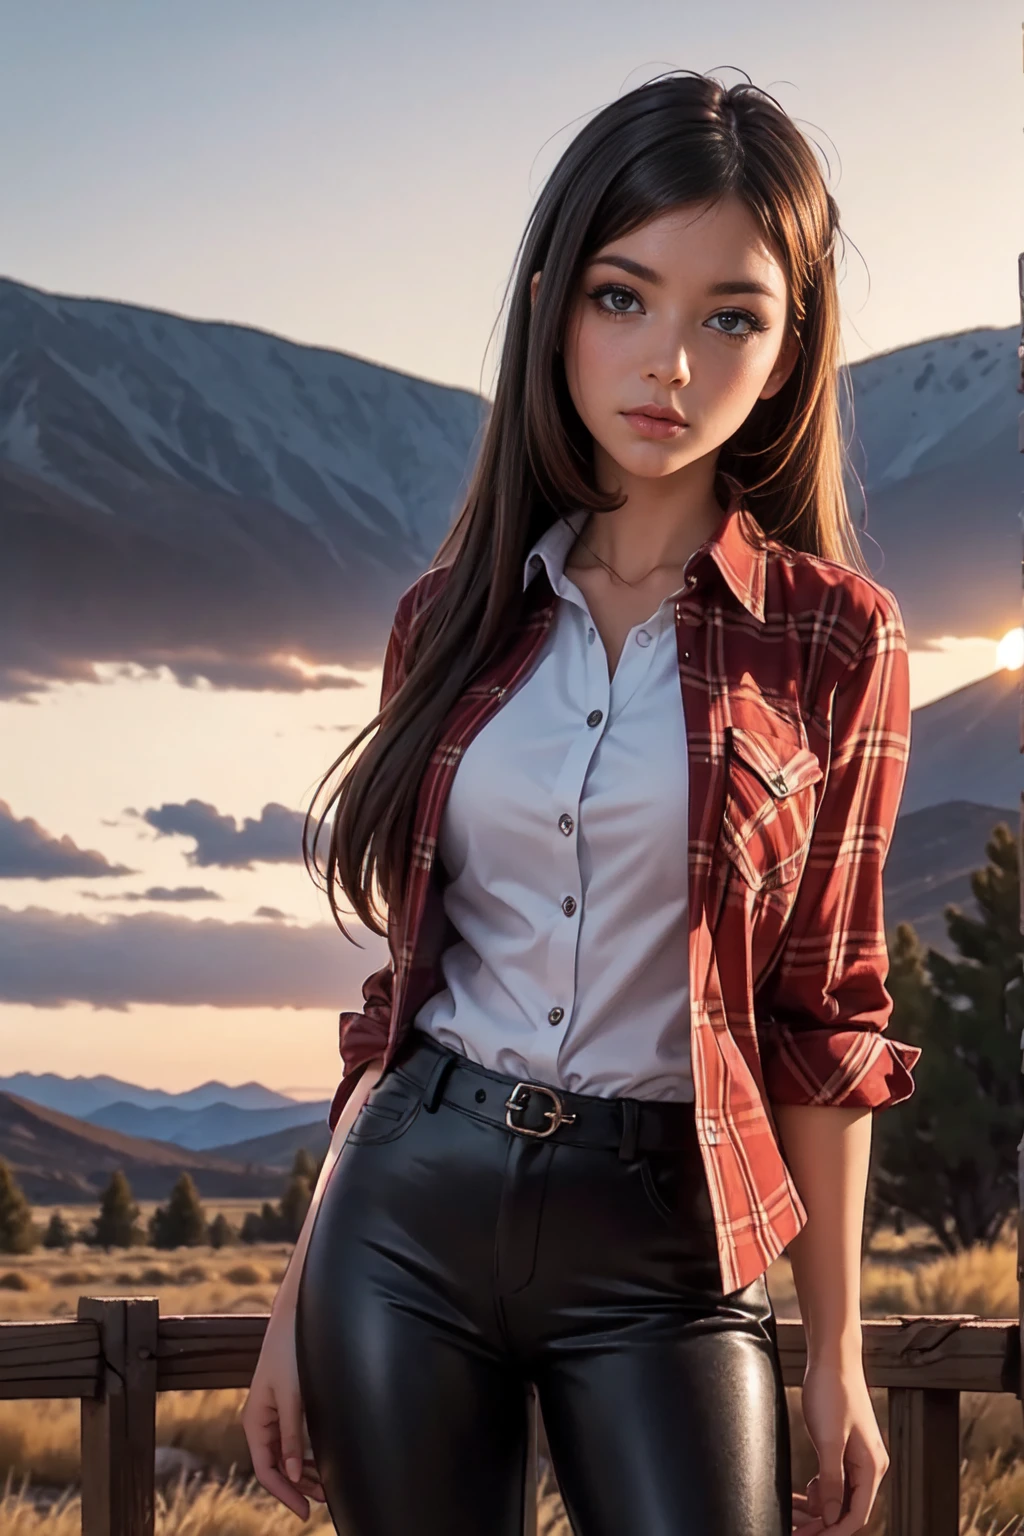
(794, 684)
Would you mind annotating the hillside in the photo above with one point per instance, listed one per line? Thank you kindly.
(153, 466)
(933, 855)
(57, 1158)
(278, 1149)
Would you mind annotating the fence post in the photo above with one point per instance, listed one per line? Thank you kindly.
(924, 1462)
(119, 1426)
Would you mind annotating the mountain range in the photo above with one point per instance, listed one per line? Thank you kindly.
(283, 495)
(85, 1096)
(59, 1159)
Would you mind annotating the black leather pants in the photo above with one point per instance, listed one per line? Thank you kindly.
(453, 1260)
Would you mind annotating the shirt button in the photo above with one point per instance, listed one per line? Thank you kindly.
(569, 906)
(691, 581)
(643, 637)
(686, 655)
(595, 717)
(590, 636)
(565, 823)
(555, 1015)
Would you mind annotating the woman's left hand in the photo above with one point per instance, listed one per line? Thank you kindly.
(852, 1459)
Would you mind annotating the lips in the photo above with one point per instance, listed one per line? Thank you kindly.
(658, 413)
(656, 422)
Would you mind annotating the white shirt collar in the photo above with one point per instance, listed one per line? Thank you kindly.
(552, 548)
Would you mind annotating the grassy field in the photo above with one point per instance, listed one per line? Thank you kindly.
(205, 1476)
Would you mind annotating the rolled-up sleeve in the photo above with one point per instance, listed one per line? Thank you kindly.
(823, 1008)
(363, 1034)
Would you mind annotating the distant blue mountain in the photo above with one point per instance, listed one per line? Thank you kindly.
(84, 1096)
(199, 1129)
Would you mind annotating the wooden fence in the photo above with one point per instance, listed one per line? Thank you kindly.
(118, 1353)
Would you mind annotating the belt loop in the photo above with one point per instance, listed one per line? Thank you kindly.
(630, 1129)
(435, 1082)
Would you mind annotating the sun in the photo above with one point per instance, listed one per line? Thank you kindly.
(1010, 650)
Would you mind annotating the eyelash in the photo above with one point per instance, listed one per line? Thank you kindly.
(756, 325)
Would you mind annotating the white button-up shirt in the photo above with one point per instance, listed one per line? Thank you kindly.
(565, 843)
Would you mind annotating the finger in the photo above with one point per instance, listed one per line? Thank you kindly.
(266, 1473)
(860, 1506)
(309, 1483)
(289, 1409)
(830, 1482)
(288, 1494)
(263, 1432)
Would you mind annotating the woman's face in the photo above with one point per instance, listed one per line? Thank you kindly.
(648, 328)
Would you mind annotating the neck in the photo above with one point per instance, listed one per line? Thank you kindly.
(658, 526)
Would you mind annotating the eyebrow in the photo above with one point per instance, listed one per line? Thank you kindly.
(648, 275)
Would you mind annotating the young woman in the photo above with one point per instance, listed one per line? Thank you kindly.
(643, 733)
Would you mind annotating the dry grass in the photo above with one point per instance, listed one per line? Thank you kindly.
(40, 1448)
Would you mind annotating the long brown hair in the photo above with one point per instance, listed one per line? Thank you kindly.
(682, 138)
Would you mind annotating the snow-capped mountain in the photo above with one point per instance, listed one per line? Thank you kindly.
(933, 441)
(222, 500)
(208, 495)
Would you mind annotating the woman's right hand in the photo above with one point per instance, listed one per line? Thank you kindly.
(273, 1419)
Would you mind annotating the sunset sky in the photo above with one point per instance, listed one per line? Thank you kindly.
(358, 178)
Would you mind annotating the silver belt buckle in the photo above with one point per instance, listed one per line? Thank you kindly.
(557, 1115)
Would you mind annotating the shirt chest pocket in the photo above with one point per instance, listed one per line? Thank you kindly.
(770, 804)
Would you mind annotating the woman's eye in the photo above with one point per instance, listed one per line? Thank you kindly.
(749, 320)
(614, 292)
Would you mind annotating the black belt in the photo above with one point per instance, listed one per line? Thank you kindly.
(537, 1109)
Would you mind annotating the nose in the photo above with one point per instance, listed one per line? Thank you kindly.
(671, 370)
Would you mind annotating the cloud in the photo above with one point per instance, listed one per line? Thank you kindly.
(272, 674)
(49, 959)
(29, 852)
(226, 589)
(275, 838)
(272, 912)
(158, 893)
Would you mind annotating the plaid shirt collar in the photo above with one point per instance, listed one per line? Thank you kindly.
(739, 556)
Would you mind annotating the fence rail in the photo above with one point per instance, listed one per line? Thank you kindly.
(118, 1353)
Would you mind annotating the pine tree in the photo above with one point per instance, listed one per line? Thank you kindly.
(252, 1228)
(271, 1225)
(221, 1231)
(305, 1167)
(59, 1233)
(117, 1225)
(17, 1233)
(182, 1223)
(293, 1207)
(947, 1156)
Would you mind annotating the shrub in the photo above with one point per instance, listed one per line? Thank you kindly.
(58, 1233)
(155, 1276)
(245, 1274)
(14, 1280)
